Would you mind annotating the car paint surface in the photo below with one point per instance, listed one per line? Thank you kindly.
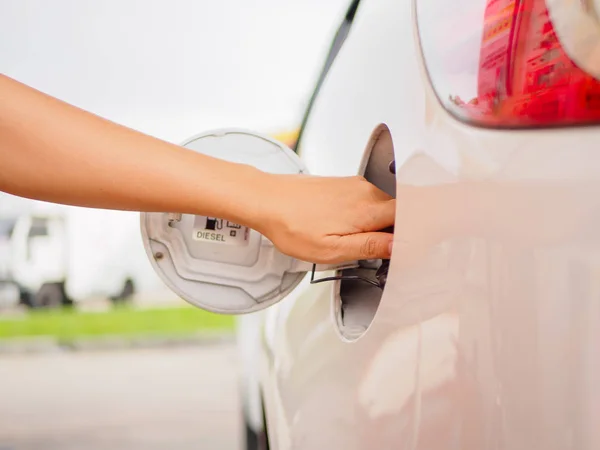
(488, 331)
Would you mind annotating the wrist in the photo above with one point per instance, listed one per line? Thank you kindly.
(251, 198)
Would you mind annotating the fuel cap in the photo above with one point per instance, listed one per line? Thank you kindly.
(215, 264)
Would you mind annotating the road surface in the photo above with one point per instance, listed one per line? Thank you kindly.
(173, 398)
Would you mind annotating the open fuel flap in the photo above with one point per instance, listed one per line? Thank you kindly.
(215, 264)
(359, 289)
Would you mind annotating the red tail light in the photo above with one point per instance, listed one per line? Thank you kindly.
(522, 76)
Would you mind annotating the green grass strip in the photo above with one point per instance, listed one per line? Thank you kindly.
(68, 325)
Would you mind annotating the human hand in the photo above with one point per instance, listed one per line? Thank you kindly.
(326, 220)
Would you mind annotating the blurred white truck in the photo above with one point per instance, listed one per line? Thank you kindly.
(55, 255)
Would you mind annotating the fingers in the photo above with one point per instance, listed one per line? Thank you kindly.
(375, 245)
(383, 215)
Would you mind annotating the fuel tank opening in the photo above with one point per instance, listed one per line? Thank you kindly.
(359, 290)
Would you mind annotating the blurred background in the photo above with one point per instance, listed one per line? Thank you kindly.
(95, 352)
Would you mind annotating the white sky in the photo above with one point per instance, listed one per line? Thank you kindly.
(172, 68)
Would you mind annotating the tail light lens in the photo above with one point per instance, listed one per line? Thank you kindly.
(504, 63)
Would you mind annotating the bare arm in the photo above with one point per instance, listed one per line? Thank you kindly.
(53, 151)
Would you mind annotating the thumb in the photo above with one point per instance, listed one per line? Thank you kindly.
(376, 245)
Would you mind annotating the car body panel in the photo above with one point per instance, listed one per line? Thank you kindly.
(487, 333)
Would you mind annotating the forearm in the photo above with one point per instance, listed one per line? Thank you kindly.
(52, 151)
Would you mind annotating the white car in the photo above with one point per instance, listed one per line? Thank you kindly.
(486, 334)
(483, 331)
